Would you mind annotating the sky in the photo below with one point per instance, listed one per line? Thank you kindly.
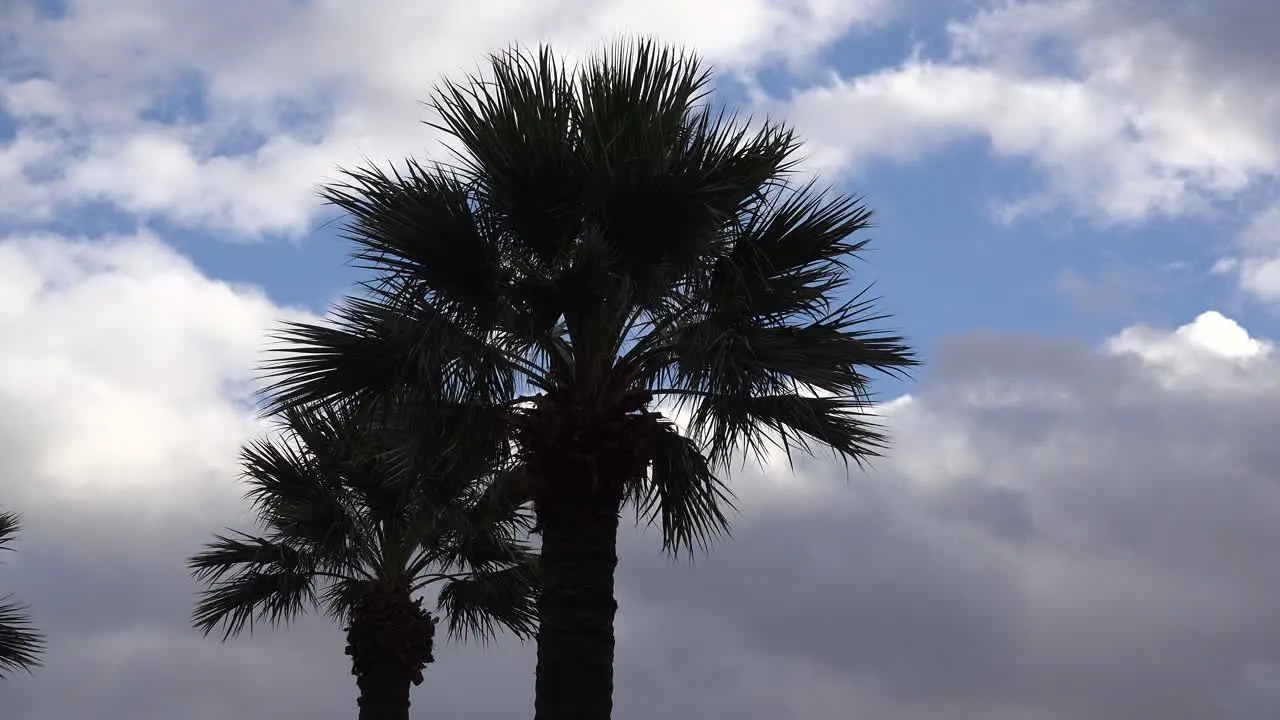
(1078, 225)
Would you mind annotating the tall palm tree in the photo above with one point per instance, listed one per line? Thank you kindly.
(605, 241)
(21, 645)
(357, 526)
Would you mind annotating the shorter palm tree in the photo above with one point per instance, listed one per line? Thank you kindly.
(358, 524)
(21, 645)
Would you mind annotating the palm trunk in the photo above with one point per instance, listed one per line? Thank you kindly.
(384, 694)
(390, 640)
(576, 606)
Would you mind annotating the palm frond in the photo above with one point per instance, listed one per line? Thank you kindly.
(762, 321)
(350, 354)
(251, 579)
(377, 346)
(788, 422)
(477, 532)
(363, 349)
(360, 453)
(21, 645)
(788, 254)
(10, 524)
(421, 224)
(233, 554)
(478, 605)
(645, 199)
(833, 353)
(665, 170)
(341, 595)
(507, 491)
(519, 146)
(301, 498)
(474, 547)
(682, 495)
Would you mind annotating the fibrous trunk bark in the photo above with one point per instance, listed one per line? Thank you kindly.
(384, 693)
(582, 447)
(576, 606)
(390, 640)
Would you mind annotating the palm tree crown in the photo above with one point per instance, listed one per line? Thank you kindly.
(605, 238)
(356, 523)
(610, 221)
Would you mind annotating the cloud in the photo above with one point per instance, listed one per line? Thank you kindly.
(1127, 110)
(1118, 289)
(126, 378)
(1256, 263)
(124, 397)
(1060, 532)
(227, 115)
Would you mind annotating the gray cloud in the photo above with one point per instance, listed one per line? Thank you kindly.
(1060, 533)
(1229, 37)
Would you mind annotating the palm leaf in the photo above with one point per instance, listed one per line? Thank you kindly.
(682, 495)
(664, 169)
(391, 344)
(251, 579)
(358, 352)
(478, 605)
(298, 496)
(531, 190)
(10, 524)
(789, 422)
(341, 595)
(431, 232)
(21, 645)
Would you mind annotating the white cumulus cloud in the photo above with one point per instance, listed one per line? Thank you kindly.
(288, 91)
(126, 378)
(1123, 108)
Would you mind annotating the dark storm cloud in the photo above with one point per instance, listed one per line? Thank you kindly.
(1059, 534)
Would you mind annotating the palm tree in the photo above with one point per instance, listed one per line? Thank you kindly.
(605, 241)
(20, 644)
(357, 526)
